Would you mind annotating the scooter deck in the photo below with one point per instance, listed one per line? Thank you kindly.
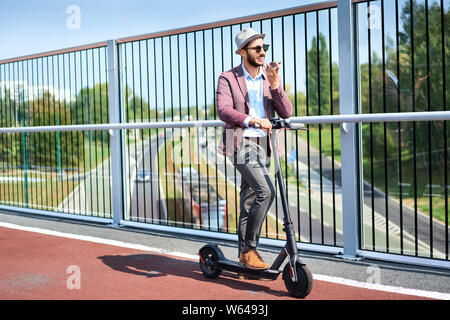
(233, 266)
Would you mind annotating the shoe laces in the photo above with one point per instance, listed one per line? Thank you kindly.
(258, 255)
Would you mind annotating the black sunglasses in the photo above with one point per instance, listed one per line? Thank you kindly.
(258, 48)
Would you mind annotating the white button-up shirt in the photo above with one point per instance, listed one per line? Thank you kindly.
(256, 105)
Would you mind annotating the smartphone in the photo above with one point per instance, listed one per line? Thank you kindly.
(274, 65)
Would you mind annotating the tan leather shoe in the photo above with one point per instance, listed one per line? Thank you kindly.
(259, 256)
(252, 260)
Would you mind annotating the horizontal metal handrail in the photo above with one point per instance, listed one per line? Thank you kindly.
(218, 24)
(234, 21)
(55, 52)
(334, 119)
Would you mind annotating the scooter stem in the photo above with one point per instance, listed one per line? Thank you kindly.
(287, 221)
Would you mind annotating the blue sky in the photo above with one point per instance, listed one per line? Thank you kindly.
(35, 26)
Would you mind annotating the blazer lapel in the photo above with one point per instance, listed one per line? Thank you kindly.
(266, 92)
(242, 85)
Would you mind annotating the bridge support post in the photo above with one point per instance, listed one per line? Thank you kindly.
(350, 137)
(115, 135)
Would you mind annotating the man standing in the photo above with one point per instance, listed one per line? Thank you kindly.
(247, 95)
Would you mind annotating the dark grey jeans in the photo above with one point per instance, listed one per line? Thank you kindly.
(252, 160)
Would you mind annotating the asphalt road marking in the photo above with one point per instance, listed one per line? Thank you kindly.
(337, 280)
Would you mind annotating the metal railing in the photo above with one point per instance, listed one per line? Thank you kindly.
(371, 152)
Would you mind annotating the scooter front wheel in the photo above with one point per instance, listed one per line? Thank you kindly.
(208, 263)
(303, 286)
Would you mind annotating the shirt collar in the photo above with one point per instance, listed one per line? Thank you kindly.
(249, 77)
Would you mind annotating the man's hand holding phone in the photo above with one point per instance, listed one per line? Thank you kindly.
(272, 73)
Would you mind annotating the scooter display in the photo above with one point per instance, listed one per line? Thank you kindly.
(296, 275)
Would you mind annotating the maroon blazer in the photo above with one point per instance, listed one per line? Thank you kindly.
(233, 106)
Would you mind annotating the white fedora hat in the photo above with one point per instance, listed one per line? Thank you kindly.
(245, 36)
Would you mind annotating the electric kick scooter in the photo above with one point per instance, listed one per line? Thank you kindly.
(296, 275)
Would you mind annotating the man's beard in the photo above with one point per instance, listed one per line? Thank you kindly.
(252, 62)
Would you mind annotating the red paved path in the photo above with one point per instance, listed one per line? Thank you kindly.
(34, 266)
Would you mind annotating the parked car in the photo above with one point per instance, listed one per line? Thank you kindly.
(214, 217)
(142, 176)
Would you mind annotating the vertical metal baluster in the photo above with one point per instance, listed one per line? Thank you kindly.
(133, 57)
(27, 158)
(108, 141)
(135, 131)
(45, 134)
(142, 131)
(20, 121)
(206, 130)
(197, 131)
(150, 133)
(71, 132)
(5, 136)
(2, 108)
(13, 137)
(64, 134)
(102, 133)
(283, 66)
(58, 135)
(17, 136)
(416, 242)
(372, 182)
(50, 135)
(24, 140)
(332, 127)
(12, 109)
(173, 132)
(38, 122)
(74, 120)
(444, 81)
(189, 132)
(90, 133)
(225, 158)
(215, 128)
(95, 114)
(93, 136)
(157, 131)
(307, 133)
(430, 181)
(182, 202)
(164, 119)
(296, 114)
(276, 182)
(8, 123)
(65, 140)
(34, 72)
(31, 135)
(81, 134)
(236, 213)
(2, 112)
(320, 126)
(386, 183)
(127, 112)
(397, 39)
(59, 183)
(16, 145)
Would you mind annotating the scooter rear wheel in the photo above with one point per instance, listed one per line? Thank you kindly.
(303, 286)
(208, 263)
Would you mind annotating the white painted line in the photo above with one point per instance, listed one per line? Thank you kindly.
(98, 240)
(385, 288)
(347, 282)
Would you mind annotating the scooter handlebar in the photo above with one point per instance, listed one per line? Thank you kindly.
(299, 126)
(278, 123)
